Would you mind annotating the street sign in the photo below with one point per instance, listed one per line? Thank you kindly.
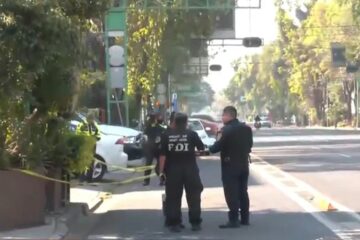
(116, 20)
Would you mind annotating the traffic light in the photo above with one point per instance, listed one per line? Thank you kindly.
(352, 68)
(338, 55)
(215, 67)
(251, 42)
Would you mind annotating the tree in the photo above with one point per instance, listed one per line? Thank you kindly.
(294, 74)
(159, 44)
(42, 49)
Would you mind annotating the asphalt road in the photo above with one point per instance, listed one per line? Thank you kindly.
(327, 161)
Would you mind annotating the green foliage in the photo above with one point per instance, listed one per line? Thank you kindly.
(82, 152)
(294, 75)
(93, 90)
(159, 43)
(42, 49)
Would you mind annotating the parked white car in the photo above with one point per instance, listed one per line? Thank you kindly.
(197, 126)
(110, 148)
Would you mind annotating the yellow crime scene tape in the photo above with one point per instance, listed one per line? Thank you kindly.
(123, 182)
(133, 169)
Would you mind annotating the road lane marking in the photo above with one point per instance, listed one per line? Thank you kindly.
(96, 237)
(315, 148)
(308, 188)
(344, 155)
(308, 198)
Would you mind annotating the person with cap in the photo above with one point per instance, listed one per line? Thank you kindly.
(235, 146)
(153, 131)
(178, 166)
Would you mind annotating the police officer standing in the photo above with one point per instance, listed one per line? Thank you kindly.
(153, 131)
(235, 146)
(178, 166)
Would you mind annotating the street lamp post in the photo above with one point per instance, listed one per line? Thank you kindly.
(357, 100)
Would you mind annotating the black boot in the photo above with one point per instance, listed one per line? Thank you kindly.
(175, 228)
(196, 227)
(245, 219)
(230, 224)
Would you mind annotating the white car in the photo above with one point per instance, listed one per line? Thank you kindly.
(110, 148)
(197, 126)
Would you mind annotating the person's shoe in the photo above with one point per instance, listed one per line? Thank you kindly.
(245, 223)
(182, 226)
(195, 227)
(175, 228)
(146, 183)
(230, 225)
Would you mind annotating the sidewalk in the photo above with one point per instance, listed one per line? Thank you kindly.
(84, 200)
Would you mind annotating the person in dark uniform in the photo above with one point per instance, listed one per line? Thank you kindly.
(178, 166)
(170, 126)
(172, 120)
(235, 146)
(153, 131)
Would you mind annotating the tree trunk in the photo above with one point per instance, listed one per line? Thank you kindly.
(138, 104)
(348, 88)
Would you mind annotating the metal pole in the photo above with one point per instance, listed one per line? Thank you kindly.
(327, 102)
(126, 68)
(108, 77)
(357, 101)
(169, 91)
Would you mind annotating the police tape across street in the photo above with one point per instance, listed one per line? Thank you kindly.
(113, 182)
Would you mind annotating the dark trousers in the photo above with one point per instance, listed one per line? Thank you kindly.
(150, 155)
(235, 183)
(178, 178)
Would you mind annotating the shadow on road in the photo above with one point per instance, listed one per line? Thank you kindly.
(210, 174)
(145, 224)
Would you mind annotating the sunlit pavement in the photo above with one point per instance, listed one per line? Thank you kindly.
(279, 204)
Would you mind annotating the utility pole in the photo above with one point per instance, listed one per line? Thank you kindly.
(357, 99)
(327, 103)
(169, 92)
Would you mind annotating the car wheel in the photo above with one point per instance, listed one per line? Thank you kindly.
(99, 168)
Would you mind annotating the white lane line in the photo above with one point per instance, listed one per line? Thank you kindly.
(301, 202)
(311, 189)
(341, 230)
(344, 155)
(96, 237)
